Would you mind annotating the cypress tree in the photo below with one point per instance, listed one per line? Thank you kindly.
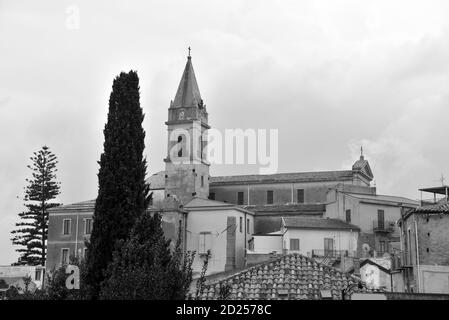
(144, 267)
(31, 234)
(122, 192)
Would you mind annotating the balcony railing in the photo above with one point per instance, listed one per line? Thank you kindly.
(384, 226)
(320, 253)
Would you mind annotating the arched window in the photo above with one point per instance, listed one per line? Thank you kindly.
(180, 146)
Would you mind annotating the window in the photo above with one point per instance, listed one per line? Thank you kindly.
(180, 146)
(328, 246)
(348, 216)
(85, 253)
(270, 197)
(38, 275)
(205, 242)
(241, 222)
(65, 256)
(382, 246)
(87, 226)
(300, 195)
(212, 195)
(202, 181)
(294, 244)
(66, 224)
(381, 219)
(247, 226)
(240, 198)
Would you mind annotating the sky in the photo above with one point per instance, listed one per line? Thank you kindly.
(331, 76)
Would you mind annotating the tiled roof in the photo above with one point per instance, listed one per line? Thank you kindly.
(296, 208)
(384, 198)
(11, 280)
(363, 165)
(315, 223)
(290, 277)
(88, 205)
(442, 207)
(83, 206)
(284, 177)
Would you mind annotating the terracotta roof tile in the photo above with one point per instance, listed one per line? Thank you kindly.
(284, 177)
(290, 277)
(442, 207)
(318, 223)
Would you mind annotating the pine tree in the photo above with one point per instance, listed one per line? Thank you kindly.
(144, 267)
(31, 234)
(122, 194)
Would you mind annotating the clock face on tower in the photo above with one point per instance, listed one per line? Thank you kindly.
(181, 115)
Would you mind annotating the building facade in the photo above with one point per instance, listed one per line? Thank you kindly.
(424, 262)
(222, 214)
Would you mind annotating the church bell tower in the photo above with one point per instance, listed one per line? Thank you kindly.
(186, 167)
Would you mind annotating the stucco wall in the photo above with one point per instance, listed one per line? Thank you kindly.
(215, 222)
(375, 277)
(314, 192)
(314, 240)
(267, 244)
(57, 240)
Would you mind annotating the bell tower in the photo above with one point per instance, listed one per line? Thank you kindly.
(186, 166)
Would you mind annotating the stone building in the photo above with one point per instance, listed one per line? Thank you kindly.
(223, 213)
(424, 261)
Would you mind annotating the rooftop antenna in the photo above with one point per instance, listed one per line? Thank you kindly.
(442, 179)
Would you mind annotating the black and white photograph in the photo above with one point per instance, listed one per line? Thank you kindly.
(224, 155)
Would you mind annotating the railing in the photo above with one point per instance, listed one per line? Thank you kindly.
(399, 260)
(320, 253)
(384, 226)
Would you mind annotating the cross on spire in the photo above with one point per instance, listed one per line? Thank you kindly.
(361, 151)
(189, 51)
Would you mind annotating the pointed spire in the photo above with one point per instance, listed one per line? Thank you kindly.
(188, 94)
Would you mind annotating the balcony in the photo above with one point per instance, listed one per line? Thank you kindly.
(399, 260)
(320, 253)
(384, 226)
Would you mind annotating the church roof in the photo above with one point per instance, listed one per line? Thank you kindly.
(201, 202)
(383, 198)
(208, 204)
(363, 166)
(320, 223)
(87, 206)
(286, 209)
(284, 177)
(293, 277)
(188, 94)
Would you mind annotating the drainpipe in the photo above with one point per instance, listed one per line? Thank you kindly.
(248, 194)
(185, 231)
(417, 256)
(292, 192)
(76, 236)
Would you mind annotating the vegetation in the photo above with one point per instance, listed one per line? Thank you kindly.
(145, 268)
(123, 195)
(31, 234)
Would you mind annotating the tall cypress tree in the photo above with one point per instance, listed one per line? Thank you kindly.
(31, 234)
(122, 194)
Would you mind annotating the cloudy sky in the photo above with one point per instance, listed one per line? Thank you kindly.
(330, 75)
